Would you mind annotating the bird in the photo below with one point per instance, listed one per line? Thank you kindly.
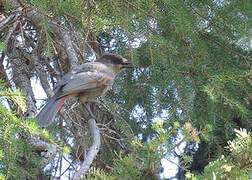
(86, 82)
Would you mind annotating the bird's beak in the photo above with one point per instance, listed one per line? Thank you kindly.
(127, 65)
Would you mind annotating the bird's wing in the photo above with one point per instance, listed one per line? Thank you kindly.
(68, 76)
(85, 79)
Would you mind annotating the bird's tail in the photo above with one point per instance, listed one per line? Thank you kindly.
(49, 111)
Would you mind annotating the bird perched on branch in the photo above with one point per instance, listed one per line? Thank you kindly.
(87, 82)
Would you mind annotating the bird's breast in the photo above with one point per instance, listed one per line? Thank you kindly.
(90, 96)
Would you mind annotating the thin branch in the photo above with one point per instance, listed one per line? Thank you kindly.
(139, 9)
(62, 32)
(181, 167)
(191, 73)
(7, 20)
(41, 73)
(87, 28)
(11, 30)
(226, 47)
(68, 168)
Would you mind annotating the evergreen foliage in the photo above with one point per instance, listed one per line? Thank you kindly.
(17, 159)
(192, 78)
(237, 165)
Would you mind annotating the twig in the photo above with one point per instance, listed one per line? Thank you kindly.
(226, 47)
(191, 73)
(7, 20)
(137, 8)
(181, 167)
(87, 28)
(11, 30)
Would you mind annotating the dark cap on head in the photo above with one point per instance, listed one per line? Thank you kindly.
(115, 59)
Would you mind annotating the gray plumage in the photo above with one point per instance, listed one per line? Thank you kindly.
(48, 113)
(87, 82)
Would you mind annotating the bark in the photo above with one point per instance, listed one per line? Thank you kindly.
(59, 31)
(21, 75)
(46, 150)
(64, 34)
(94, 149)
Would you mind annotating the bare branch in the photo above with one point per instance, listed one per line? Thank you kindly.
(46, 149)
(7, 20)
(72, 55)
(94, 149)
(63, 33)
(41, 73)
(11, 30)
(21, 74)
(87, 28)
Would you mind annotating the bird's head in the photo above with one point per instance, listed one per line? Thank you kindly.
(116, 62)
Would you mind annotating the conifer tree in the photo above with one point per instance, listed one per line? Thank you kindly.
(192, 79)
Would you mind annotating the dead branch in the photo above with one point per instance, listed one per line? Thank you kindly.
(94, 149)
